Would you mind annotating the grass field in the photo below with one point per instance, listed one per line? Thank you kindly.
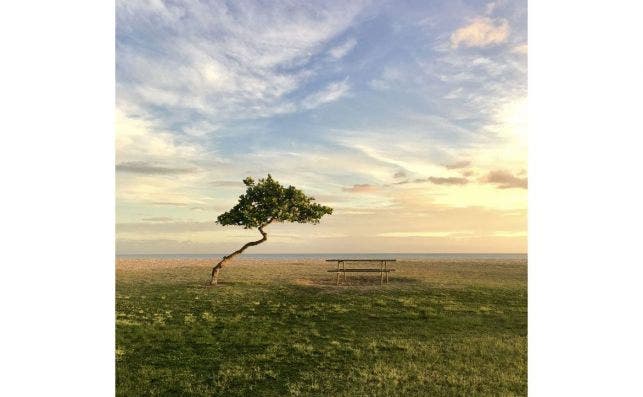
(441, 327)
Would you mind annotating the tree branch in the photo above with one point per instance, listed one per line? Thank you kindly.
(219, 266)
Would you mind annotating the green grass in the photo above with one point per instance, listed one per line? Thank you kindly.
(279, 329)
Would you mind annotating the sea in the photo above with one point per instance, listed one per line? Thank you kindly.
(343, 255)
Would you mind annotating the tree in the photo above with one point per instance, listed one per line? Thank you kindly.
(265, 202)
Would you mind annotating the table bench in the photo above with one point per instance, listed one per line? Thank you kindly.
(383, 270)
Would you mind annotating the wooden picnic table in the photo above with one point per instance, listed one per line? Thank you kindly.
(383, 270)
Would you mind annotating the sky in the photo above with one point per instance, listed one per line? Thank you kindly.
(408, 118)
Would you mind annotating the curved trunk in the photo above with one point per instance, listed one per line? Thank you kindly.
(214, 278)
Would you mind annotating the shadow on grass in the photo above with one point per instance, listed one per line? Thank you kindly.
(353, 281)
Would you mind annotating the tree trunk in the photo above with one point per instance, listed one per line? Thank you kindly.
(214, 278)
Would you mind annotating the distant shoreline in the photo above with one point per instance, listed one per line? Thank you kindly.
(336, 255)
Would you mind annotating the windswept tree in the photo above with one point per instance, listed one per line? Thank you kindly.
(265, 202)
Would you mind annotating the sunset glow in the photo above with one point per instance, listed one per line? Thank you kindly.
(409, 121)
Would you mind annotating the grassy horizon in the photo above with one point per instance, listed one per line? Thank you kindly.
(442, 327)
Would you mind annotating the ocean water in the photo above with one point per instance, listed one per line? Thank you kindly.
(388, 255)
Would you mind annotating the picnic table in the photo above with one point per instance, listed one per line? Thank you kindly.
(383, 270)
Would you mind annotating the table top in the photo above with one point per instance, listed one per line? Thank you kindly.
(361, 260)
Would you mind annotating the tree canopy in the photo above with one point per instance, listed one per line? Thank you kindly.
(264, 202)
(267, 200)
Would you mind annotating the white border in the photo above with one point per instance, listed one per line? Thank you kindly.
(584, 198)
(58, 198)
(57, 156)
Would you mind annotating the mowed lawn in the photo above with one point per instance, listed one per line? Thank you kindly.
(275, 328)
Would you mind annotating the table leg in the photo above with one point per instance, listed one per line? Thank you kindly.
(344, 267)
(386, 272)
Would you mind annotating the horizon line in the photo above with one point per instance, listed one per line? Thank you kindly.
(325, 253)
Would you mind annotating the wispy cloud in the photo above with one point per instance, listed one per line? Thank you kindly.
(482, 32)
(437, 180)
(399, 174)
(389, 78)
(142, 167)
(139, 139)
(158, 219)
(425, 234)
(227, 183)
(170, 203)
(360, 188)
(341, 50)
(451, 180)
(505, 180)
(458, 164)
(166, 227)
(330, 93)
(220, 61)
(520, 49)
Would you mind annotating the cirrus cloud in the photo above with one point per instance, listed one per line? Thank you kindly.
(360, 188)
(223, 61)
(482, 32)
(341, 50)
(146, 168)
(458, 164)
(331, 93)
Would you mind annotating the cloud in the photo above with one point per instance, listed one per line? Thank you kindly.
(458, 164)
(520, 49)
(142, 167)
(222, 62)
(399, 174)
(227, 183)
(425, 234)
(492, 230)
(166, 227)
(417, 153)
(452, 180)
(482, 32)
(341, 50)
(504, 233)
(140, 139)
(360, 188)
(208, 208)
(170, 203)
(490, 7)
(331, 93)
(466, 234)
(391, 77)
(201, 128)
(158, 219)
(505, 180)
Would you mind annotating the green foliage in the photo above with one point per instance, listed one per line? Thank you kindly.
(268, 201)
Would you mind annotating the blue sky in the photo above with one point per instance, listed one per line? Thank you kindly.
(409, 118)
